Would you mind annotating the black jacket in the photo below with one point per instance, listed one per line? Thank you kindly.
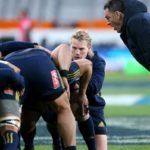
(135, 31)
(96, 82)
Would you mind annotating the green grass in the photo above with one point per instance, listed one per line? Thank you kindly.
(110, 147)
(46, 147)
(131, 91)
(117, 111)
(123, 79)
(127, 111)
(128, 147)
(42, 147)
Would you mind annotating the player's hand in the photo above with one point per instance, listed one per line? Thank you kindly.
(83, 103)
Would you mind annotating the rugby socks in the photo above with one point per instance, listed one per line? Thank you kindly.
(87, 130)
(57, 143)
(19, 144)
(1, 142)
(10, 140)
(28, 139)
(70, 148)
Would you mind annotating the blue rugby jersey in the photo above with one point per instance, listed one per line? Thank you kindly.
(9, 47)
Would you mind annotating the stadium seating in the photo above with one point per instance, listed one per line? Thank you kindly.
(52, 9)
(83, 13)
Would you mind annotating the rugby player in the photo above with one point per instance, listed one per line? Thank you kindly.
(81, 46)
(11, 88)
(44, 88)
(78, 77)
(74, 73)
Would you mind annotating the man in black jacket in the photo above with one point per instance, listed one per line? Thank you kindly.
(131, 19)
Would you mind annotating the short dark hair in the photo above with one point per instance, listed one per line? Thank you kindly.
(115, 5)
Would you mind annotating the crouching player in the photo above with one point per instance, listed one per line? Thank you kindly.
(11, 86)
(44, 88)
(78, 76)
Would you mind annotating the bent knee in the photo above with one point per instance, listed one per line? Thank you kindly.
(61, 104)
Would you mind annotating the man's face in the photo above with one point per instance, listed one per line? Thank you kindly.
(79, 49)
(114, 19)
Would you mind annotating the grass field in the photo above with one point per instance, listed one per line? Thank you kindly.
(127, 111)
(110, 147)
(141, 86)
(116, 77)
(119, 83)
(117, 112)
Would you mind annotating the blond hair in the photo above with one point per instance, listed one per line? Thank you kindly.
(82, 35)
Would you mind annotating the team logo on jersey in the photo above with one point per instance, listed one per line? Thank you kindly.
(8, 91)
(55, 79)
(101, 124)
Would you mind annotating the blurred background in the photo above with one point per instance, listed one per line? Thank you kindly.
(51, 22)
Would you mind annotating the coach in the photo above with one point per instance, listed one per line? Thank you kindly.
(131, 19)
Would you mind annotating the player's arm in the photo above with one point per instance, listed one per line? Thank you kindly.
(62, 57)
(58, 54)
(85, 76)
(11, 46)
(98, 75)
(8, 47)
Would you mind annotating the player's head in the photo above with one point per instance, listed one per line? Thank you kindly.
(114, 13)
(80, 44)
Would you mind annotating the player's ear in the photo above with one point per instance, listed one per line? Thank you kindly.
(119, 14)
(90, 53)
